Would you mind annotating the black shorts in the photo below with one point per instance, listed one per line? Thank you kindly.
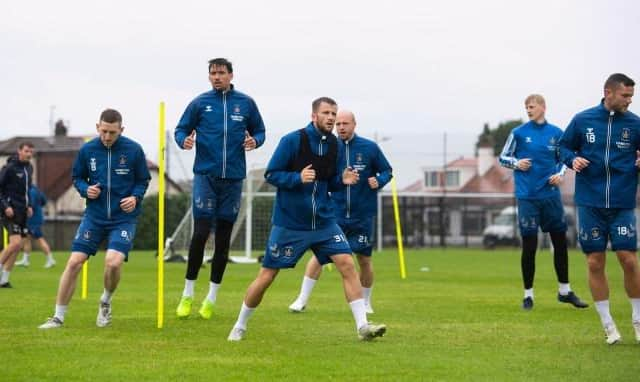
(16, 225)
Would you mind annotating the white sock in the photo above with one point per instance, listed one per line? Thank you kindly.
(635, 309)
(60, 312)
(528, 293)
(106, 296)
(5, 277)
(305, 290)
(213, 291)
(49, 257)
(366, 294)
(564, 289)
(603, 310)
(243, 317)
(25, 256)
(359, 312)
(189, 286)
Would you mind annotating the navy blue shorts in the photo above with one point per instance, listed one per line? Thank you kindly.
(546, 214)
(119, 237)
(286, 246)
(359, 234)
(215, 198)
(35, 231)
(599, 225)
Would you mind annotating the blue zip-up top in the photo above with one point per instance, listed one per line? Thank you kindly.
(121, 170)
(539, 143)
(15, 180)
(608, 140)
(38, 201)
(221, 120)
(301, 206)
(358, 201)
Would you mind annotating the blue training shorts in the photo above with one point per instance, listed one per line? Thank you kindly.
(90, 234)
(285, 246)
(359, 233)
(546, 214)
(216, 198)
(599, 225)
(35, 231)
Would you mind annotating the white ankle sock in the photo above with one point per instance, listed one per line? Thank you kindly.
(366, 294)
(5, 277)
(564, 289)
(359, 312)
(603, 310)
(528, 293)
(305, 290)
(25, 256)
(243, 317)
(106, 296)
(189, 286)
(635, 309)
(61, 310)
(213, 291)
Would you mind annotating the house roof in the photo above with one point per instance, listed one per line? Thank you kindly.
(42, 144)
(496, 179)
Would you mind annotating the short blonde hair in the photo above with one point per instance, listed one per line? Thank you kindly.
(537, 98)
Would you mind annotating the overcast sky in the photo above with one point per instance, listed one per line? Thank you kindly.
(410, 70)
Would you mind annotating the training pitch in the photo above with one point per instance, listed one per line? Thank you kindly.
(455, 317)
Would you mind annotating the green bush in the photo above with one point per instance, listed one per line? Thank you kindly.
(175, 207)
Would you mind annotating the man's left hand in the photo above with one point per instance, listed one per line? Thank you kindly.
(373, 183)
(555, 179)
(249, 142)
(128, 204)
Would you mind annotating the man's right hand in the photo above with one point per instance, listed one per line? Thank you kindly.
(189, 141)
(523, 164)
(8, 212)
(93, 191)
(308, 174)
(579, 163)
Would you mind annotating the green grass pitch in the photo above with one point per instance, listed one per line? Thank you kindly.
(455, 317)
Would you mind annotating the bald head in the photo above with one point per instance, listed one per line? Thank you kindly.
(345, 124)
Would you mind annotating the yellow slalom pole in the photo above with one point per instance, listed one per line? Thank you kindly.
(396, 215)
(5, 238)
(161, 191)
(85, 277)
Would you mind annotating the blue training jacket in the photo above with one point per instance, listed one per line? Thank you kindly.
(608, 140)
(358, 202)
(121, 170)
(221, 120)
(539, 143)
(300, 206)
(38, 201)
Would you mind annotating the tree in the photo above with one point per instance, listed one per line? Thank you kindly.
(147, 227)
(498, 136)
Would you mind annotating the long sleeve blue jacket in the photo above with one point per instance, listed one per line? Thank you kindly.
(539, 143)
(221, 120)
(120, 170)
(38, 201)
(358, 201)
(608, 140)
(301, 206)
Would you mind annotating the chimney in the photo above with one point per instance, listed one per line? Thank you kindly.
(485, 159)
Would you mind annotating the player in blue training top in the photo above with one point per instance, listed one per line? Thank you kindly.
(304, 168)
(532, 152)
(34, 226)
(356, 205)
(600, 144)
(227, 123)
(111, 173)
